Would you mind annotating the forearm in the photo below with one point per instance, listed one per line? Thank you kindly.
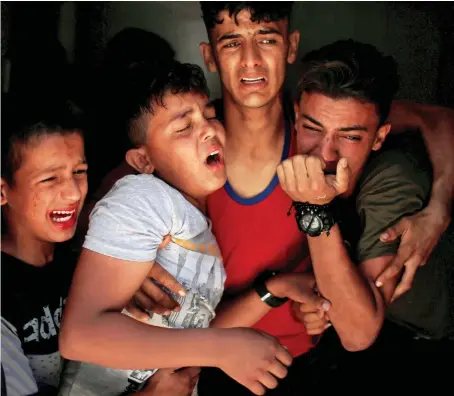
(437, 127)
(118, 341)
(357, 309)
(242, 311)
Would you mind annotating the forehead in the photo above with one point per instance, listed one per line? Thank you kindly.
(242, 24)
(50, 150)
(173, 105)
(338, 112)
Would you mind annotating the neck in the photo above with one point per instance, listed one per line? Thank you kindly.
(199, 203)
(26, 248)
(251, 128)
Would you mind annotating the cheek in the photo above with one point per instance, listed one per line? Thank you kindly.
(307, 143)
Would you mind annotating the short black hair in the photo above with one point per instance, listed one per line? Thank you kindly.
(20, 126)
(146, 87)
(350, 69)
(261, 11)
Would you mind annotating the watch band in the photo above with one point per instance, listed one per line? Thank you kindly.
(264, 294)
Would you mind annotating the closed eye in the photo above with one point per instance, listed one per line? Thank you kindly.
(186, 128)
(353, 138)
(80, 171)
(311, 128)
(49, 179)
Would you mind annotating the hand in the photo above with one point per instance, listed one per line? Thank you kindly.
(168, 382)
(299, 287)
(252, 358)
(303, 179)
(420, 234)
(151, 297)
(315, 320)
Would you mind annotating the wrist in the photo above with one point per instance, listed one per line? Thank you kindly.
(442, 195)
(276, 285)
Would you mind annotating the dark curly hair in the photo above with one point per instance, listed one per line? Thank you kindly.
(350, 69)
(147, 85)
(261, 11)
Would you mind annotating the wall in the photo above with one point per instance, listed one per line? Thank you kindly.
(397, 29)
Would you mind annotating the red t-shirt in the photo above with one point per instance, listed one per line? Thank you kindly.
(256, 234)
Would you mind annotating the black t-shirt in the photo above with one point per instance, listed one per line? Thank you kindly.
(32, 302)
(395, 183)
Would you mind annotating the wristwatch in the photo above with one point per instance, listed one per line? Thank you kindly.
(264, 294)
(313, 219)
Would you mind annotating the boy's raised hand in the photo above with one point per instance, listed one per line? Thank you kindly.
(253, 358)
(303, 179)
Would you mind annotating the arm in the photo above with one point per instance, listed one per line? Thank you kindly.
(357, 308)
(94, 330)
(437, 127)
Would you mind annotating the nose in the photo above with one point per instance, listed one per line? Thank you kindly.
(208, 131)
(328, 150)
(71, 190)
(251, 55)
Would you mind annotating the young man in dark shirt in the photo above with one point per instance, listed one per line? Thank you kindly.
(346, 90)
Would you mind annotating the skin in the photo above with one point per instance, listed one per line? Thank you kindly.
(52, 176)
(180, 136)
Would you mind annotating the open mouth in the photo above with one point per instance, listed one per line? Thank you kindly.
(214, 158)
(257, 80)
(62, 216)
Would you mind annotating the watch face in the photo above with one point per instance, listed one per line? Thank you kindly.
(311, 222)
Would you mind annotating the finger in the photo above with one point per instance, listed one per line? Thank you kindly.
(396, 265)
(158, 273)
(320, 324)
(137, 312)
(255, 387)
(158, 296)
(281, 176)
(318, 330)
(278, 370)
(148, 304)
(167, 239)
(289, 174)
(301, 172)
(313, 300)
(315, 166)
(406, 281)
(342, 176)
(392, 233)
(268, 380)
(310, 318)
(284, 356)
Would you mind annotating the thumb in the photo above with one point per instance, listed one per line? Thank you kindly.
(392, 233)
(313, 300)
(158, 273)
(342, 176)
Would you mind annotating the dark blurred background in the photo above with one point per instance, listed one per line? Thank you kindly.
(79, 51)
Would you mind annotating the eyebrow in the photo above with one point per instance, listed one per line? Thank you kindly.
(57, 168)
(228, 36)
(343, 129)
(181, 115)
(269, 31)
(264, 31)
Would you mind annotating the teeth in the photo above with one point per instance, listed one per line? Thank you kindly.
(62, 212)
(252, 79)
(214, 153)
(61, 219)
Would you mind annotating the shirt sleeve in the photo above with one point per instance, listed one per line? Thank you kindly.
(17, 378)
(394, 186)
(131, 221)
